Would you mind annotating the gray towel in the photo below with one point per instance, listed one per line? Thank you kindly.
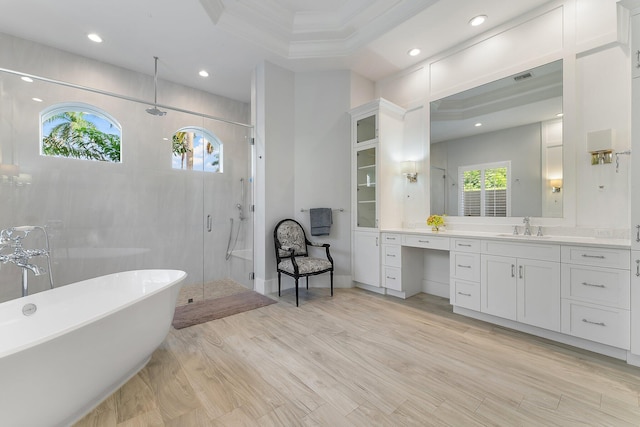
(321, 221)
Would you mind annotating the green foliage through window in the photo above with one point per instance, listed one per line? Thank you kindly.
(484, 191)
(196, 148)
(80, 132)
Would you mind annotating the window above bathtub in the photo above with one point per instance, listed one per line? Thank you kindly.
(80, 131)
(196, 148)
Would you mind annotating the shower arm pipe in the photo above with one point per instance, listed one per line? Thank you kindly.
(155, 83)
(125, 97)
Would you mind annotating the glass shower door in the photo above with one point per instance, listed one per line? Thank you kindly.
(227, 215)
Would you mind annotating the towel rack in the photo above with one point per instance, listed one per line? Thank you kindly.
(333, 209)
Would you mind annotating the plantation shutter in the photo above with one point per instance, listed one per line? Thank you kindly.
(484, 190)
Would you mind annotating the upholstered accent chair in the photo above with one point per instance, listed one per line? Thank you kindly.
(293, 258)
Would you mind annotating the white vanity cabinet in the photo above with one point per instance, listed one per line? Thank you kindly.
(635, 303)
(596, 294)
(392, 261)
(521, 282)
(464, 270)
(365, 256)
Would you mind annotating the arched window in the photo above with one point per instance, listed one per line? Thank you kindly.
(80, 131)
(196, 148)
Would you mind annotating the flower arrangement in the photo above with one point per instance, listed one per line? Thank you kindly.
(435, 221)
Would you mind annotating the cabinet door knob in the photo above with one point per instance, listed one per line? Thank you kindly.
(637, 233)
(513, 270)
(520, 272)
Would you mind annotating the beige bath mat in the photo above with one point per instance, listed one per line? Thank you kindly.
(211, 309)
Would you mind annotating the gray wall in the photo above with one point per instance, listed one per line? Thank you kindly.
(520, 145)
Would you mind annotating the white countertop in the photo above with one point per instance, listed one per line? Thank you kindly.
(574, 240)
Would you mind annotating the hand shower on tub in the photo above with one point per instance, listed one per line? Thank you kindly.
(241, 217)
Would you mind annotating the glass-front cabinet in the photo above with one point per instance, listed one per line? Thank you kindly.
(366, 129)
(366, 196)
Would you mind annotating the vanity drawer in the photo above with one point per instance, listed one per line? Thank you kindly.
(540, 251)
(391, 255)
(464, 266)
(392, 239)
(610, 326)
(465, 294)
(392, 278)
(601, 257)
(426, 241)
(465, 245)
(606, 286)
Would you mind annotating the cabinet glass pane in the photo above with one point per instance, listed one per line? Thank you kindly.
(366, 129)
(366, 191)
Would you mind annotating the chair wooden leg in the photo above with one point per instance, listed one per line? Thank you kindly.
(307, 282)
(331, 274)
(279, 277)
(296, 291)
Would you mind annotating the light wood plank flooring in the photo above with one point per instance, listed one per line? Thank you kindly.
(360, 359)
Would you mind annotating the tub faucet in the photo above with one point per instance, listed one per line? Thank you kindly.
(527, 226)
(11, 238)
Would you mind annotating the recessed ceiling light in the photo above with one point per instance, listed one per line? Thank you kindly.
(95, 38)
(27, 79)
(203, 73)
(37, 99)
(559, 115)
(478, 124)
(165, 139)
(477, 20)
(414, 52)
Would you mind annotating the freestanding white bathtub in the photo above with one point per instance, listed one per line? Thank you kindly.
(82, 343)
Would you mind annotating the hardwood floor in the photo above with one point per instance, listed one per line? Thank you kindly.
(360, 359)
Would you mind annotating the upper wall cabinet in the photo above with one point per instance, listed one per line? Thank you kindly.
(635, 130)
(635, 46)
(377, 135)
(366, 128)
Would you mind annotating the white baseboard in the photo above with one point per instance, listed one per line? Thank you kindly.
(438, 289)
(369, 288)
(320, 281)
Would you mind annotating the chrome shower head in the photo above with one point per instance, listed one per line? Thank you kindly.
(155, 111)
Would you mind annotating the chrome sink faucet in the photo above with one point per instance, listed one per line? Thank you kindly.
(527, 226)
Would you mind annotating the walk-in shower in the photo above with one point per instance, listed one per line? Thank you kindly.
(139, 213)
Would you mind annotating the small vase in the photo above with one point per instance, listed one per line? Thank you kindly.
(435, 228)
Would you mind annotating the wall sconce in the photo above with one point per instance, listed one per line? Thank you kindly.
(556, 185)
(408, 169)
(9, 172)
(600, 145)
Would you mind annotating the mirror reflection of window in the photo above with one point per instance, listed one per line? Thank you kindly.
(485, 190)
(80, 131)
(196, 148)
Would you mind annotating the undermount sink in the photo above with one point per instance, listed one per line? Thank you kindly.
(522, 236)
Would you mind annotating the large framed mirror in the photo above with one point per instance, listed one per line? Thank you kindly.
(496, 150)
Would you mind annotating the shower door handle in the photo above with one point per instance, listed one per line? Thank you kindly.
(209, 223)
